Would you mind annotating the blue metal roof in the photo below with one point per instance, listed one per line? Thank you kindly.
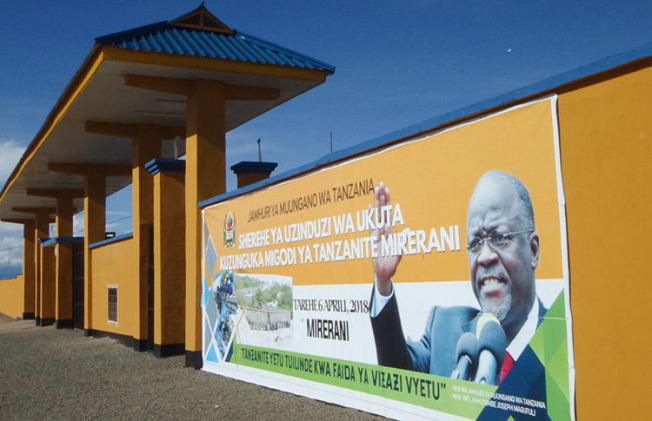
(169, 38)
(115, 239)
(542, 87)
(254, 166)
(49, 242)
(157, 165)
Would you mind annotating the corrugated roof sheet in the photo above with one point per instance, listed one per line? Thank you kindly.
(164, 37)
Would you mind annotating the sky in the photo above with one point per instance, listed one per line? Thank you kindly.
(397, 63)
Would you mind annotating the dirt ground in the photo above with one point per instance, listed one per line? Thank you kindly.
(47, 373)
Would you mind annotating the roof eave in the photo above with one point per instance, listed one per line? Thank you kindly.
(90, 63)
(166, 59)
(100, 53)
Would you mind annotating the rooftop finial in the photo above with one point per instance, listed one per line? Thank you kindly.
(201, 18)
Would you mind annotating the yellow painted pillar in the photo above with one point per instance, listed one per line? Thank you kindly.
(94, 230)
(46, 274)
(63, 262)
(40, 231)
(205, 178)
(145, 146)
(169, 257)
(29, 291)
(36, 265)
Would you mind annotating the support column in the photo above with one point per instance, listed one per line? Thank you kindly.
(205, 178)
(28, 270)
(40, 231)
(94, 230)
(47, 283)
(169, 256)
(145, 146)
(63, 263)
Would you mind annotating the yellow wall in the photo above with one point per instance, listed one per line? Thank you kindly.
(11, 296)
(115, 264)
(606, 135)
(28, 268)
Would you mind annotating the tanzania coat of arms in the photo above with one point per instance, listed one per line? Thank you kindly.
(229, 229)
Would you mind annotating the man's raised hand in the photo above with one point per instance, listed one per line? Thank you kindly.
(384, 266)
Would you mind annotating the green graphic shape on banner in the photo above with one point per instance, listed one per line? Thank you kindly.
(461, 398)
(550, 344)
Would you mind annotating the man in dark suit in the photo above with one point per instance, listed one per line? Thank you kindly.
(503, 248)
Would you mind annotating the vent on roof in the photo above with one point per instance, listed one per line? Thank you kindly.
(201, 18)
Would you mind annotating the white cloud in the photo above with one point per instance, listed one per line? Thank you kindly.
(78, 224)
(10, 153)
(11, 235)
(10, 229)
(119, 228)
(117, 221)
(11, 250)
(110, 214)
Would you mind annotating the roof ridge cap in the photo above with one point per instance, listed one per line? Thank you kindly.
(131, 33)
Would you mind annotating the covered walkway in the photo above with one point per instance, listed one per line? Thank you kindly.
(149, 106)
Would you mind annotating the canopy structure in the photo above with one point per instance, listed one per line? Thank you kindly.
(135, 78)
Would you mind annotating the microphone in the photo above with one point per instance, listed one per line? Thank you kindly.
(491, 349)
(467, 355)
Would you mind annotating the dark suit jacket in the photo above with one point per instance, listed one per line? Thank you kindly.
(434, 353)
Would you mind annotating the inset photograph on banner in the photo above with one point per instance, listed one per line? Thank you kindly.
(266, 303)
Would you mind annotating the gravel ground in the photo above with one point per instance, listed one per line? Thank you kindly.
(60, 374)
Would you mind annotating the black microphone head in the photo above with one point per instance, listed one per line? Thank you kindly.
(467, 345)
(491, 337)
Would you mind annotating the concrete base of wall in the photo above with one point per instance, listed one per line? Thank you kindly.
(37, 321)
(168, 350)
(46, 321)
(123, 339)
(63, 324)
(139, 345)
(28, 316)
(194, 359)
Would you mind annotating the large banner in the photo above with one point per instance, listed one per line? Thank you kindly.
(426, 279)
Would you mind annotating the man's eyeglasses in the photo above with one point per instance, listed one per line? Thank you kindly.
(496, 240)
